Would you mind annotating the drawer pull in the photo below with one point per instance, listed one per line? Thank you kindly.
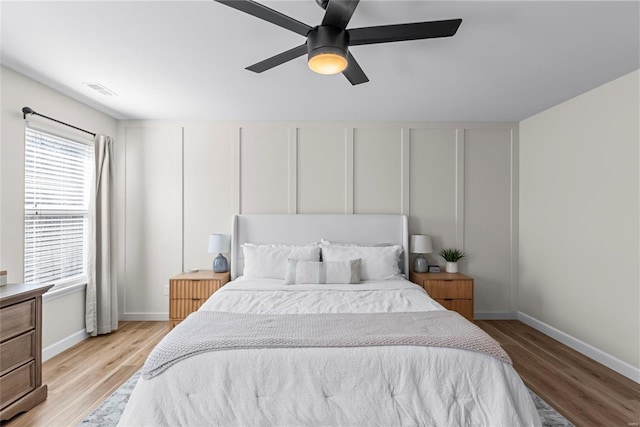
(448, 299)
(448, 280)
(195, 299)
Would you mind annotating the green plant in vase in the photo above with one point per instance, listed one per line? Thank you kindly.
(452, 256)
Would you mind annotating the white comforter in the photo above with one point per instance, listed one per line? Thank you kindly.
(361, 386)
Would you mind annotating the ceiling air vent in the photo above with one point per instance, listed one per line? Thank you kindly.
(100, 88)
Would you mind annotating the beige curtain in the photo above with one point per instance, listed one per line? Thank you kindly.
(101, 315)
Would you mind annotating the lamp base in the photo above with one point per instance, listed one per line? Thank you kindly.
(220, 264)
(420, 264)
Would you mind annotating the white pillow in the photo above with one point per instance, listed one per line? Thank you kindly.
(322, 272)
(270, 261)
(324, 242)
(378, 262)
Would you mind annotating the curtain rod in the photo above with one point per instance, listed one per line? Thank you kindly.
(27, 110)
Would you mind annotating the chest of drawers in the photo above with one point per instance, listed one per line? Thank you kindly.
(21, 385)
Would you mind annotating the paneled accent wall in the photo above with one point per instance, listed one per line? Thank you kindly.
(152, 218)
(454, 180)
(322, 168)
(377, 170)
(207, 188)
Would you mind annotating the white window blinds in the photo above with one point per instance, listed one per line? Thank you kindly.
(57, 179)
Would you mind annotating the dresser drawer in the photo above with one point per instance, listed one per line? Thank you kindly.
(17, 383)
(17, 351)
(441, 289)
(17, 319)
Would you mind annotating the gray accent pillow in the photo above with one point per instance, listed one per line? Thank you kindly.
(312, 272)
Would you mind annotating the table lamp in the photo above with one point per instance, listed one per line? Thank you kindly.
(420, 244)
(220, 243)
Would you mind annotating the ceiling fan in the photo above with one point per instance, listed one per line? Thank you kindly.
(328, 44)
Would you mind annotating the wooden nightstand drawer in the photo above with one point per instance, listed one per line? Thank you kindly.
(17, 351)
(193, 289)
(17, 319)
(448, 288)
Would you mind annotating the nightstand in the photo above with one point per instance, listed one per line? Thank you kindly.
(454, 291)
(188, 291)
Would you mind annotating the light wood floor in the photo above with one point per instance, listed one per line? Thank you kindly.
(80, 378)
(585, 392)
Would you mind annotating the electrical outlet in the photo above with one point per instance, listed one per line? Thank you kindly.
(166, 290)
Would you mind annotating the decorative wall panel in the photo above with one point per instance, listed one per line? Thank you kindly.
(377, 170)
(208, 176)
(153, 216)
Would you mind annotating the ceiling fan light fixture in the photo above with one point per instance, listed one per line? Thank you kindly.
(327, 47)
(327, 63)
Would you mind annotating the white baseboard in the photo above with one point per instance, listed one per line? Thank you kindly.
(65, 343)
(154, 317)
(495, 315)
(588, 350)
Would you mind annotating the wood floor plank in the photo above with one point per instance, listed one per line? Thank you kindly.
(585, 392)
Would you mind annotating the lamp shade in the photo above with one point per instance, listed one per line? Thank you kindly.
(219, 243)
(421, 244)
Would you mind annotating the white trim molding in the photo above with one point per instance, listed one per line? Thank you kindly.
(620, 366)
(495, 315)
(142, 317)
(64, 344)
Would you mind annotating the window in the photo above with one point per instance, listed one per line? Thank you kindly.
(57, 179)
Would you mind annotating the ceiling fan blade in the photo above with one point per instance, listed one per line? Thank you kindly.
(402, 32)
(278, 59)
(269, 15)
(354, 73)
(339, 13)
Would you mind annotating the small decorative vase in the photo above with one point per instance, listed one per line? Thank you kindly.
(452, 267)
(220, 264)
(420, 264)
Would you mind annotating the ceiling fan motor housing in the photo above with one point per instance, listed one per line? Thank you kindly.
(327, 39)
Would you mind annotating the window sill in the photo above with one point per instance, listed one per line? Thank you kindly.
(62, 292)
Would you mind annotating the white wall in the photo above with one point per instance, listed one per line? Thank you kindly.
(63, 316)
(180, 182)
(579, 256)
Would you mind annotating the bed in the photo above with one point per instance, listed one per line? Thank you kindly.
(363, 369)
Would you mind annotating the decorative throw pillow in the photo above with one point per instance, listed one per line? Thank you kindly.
(322, 272)
(378, 262)
(270, 261)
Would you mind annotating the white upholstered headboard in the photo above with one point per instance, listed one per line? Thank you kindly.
(299, 229)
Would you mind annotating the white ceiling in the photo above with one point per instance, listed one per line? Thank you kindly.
(186, 60)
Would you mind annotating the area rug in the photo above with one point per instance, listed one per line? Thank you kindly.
(109, 412)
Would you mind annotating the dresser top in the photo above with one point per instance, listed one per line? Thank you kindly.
(20, 291)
